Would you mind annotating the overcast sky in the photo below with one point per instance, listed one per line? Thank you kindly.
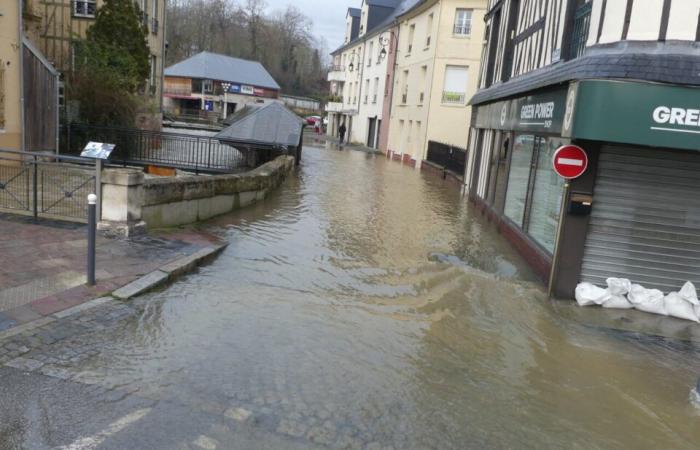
(328, 16)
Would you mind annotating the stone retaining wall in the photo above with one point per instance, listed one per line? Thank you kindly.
(130, 201)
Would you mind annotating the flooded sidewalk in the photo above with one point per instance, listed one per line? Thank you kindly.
(43, 264)
(363, 305)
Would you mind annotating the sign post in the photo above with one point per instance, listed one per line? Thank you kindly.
(569, 162)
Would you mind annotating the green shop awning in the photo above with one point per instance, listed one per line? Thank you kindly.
(650, 114)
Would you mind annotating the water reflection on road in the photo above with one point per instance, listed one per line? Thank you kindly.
(366, 304)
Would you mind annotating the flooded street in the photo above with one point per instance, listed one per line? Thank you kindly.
(366, 305)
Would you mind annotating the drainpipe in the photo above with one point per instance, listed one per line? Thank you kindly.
(20, 46)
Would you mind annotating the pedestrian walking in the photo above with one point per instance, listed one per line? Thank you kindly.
(341, 132)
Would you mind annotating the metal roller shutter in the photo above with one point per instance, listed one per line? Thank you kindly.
(645, 222)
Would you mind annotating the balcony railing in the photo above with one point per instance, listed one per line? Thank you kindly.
(453, 97)
(337, 68)
(582, 23)
(463, 29)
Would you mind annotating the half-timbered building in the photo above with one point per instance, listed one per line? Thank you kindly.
(620, 79)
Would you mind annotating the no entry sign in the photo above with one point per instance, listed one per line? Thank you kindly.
(570, 161)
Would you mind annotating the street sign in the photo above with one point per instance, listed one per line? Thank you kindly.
(98, 150)
(570, 161)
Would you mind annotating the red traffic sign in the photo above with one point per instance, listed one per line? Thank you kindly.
(570, 161)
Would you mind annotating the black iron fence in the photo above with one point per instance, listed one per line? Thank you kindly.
(448, 157)
(142, 147)
(46, 185)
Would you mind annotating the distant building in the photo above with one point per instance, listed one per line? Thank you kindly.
(436, 73)
(209, 85)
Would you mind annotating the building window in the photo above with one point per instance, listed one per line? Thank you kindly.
(411, 33)
(387, 82)
(546, 196)
(154, 18)
(208, 86)
(533, 197)
(463, 22)
(153, 77)
(455, 86)
(370, 53)
(429, 30)
(84, 8)
(519, 177)
(2, 95)
(375, 92)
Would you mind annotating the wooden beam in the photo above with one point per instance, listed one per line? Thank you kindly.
(665, 13)
(628, 18)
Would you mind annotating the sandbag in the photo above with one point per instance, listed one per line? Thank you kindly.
(617, 302)
(618, 286)
(689, 293)
(647, 300)
(588, 294)
(678, 306)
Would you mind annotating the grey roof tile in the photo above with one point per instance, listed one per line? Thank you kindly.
(213, 66)
(270, 125)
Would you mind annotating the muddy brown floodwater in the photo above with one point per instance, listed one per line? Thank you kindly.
(367, 305)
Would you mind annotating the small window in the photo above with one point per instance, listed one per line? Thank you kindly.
(455, 85)
(411, 33)
(429, 30)
(208, 86)
(84, 8)
(154, 77)
(463, 22)
(370, 53)
(2, 95)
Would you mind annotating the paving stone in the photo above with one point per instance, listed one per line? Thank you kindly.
(26, 364)
(187, 263)
(238, 414)
(6, 322)
(141, 285)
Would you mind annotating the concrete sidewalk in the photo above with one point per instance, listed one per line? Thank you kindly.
(43, 264)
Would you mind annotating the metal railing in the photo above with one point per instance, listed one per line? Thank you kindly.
(579, 35)
(144, 148)
(46, 184)
(453, 97)
(462, 29)
(337, 68)
(448, 157)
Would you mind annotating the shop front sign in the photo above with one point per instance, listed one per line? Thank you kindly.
(542, 112)
(638, 113)
(249, 90)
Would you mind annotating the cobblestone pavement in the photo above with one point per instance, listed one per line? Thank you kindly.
(42, 264)
(69, 349)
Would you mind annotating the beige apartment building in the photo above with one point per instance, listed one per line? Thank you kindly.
(436, 73)
(10, 111)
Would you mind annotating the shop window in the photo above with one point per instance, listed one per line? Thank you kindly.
(519, 177)
(546, 196)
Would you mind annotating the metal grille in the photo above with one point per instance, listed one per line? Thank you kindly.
(46, 185)
(582, 23)
(63, 190)
(15, 182)
(448, 157)
(645, 221)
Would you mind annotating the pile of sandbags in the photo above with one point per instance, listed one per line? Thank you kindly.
(622, 294)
